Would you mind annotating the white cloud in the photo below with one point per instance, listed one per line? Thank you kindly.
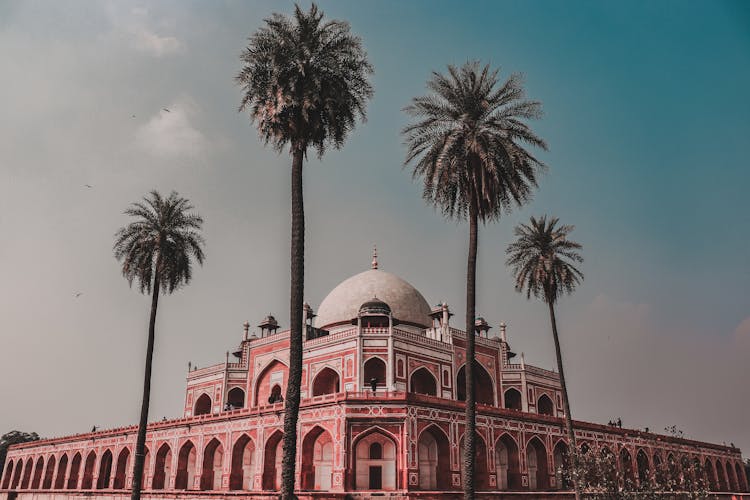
(136, 26)
(170, 133)
(157, 45)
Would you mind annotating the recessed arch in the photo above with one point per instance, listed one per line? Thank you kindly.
(8, 474)
(17, 474)
(536, 463)
(481, 469)
(374, 368)
(710, 472)
(433, 453)
(243, 464)
(484, 386)
(741, 477)
(105, 471)
(422, 381)
(162, 468)
(62, 468)
(513, 399)
(371, 472)
(203, 405)
(545, 406)
(327, 381)
(317, 460)
(507, 463)
(272, 461)
(626, 465)
(213, 461)
(87, 482)
(75, 471)
(561, 460)
(186, 458)
(36, 483)
(275, 373)
(121, 471)
(236, 398)
(732, 477)
(49, 472)
(643, 468)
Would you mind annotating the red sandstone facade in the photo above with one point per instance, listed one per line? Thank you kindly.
(382, 411)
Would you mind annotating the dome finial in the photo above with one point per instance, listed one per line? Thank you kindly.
(374, 257)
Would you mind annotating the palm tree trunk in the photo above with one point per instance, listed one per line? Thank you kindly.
(143, 423)
(573, 454)
(294, 382)
(469, 434)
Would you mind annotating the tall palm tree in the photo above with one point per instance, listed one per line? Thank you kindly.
(157, 251)
(468, 144)
(305, 84)
(543, 261)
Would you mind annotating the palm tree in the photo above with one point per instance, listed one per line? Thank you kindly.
(157, 250)
(543, 261)
(468, 144)
(305, 84)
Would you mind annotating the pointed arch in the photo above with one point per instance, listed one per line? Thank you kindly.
(536, 463)
(483, 384)
(434, 459)
(105, 471)
(8, 474)
(545, 406)
(121, 471)
(626, 464)
(422, 381)
(272, 461)
(213, 461)
(732, 477)
(87, 482)
(62, 468)
(507, 463)
(513, 399)
(741, 477)
(481, 469)
(374, 368)
(27, 473)
(203, 405)
(317, 460)
(36, 483)
(49, 472)
(185, 477)
(641, 460)
(275, 373)
(243, 464)
(327, 381)
(561, 459)
(162, 468)
(375, 471)
(75, 471)
(17, 474)
(236, 398)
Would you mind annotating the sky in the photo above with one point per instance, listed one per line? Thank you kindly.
(646, 113)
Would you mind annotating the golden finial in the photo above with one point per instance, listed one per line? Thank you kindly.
(374, 257)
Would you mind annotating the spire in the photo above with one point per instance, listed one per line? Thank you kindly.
(374, 257)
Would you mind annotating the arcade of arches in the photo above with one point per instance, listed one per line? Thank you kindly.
(374, 465)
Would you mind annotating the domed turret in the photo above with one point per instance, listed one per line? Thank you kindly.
(374, 307)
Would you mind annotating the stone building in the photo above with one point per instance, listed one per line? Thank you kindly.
(382, 413)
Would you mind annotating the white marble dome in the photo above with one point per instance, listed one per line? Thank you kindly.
(343, 303)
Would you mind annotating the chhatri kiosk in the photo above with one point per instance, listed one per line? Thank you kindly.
(382, 414)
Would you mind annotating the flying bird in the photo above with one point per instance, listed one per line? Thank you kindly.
(165, 109)
(132, 116)
(88, 186)
(78, 294)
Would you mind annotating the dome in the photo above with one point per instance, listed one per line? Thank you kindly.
(343, 303)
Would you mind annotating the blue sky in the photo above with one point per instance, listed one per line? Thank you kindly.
(647, 118)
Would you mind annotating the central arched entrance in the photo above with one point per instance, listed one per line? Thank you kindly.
(375, 462)
(317, 460)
